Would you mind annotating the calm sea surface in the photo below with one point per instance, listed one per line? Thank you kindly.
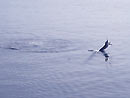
(44, 49)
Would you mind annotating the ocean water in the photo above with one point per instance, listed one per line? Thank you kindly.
(44, 49)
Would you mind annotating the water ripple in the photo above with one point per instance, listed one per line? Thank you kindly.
(41, 45)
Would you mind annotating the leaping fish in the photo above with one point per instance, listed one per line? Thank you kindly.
(107, 43)
(102, 50)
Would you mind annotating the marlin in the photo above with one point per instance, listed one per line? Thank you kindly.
(102, 50)
(107, 43)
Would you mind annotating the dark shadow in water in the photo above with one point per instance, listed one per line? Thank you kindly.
(12, 48)
(90, 57)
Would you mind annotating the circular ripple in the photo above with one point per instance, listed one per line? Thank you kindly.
(41, 45)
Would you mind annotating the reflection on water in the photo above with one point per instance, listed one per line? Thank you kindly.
(105, 55)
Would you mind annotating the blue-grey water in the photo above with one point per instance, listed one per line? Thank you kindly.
(44, 49)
